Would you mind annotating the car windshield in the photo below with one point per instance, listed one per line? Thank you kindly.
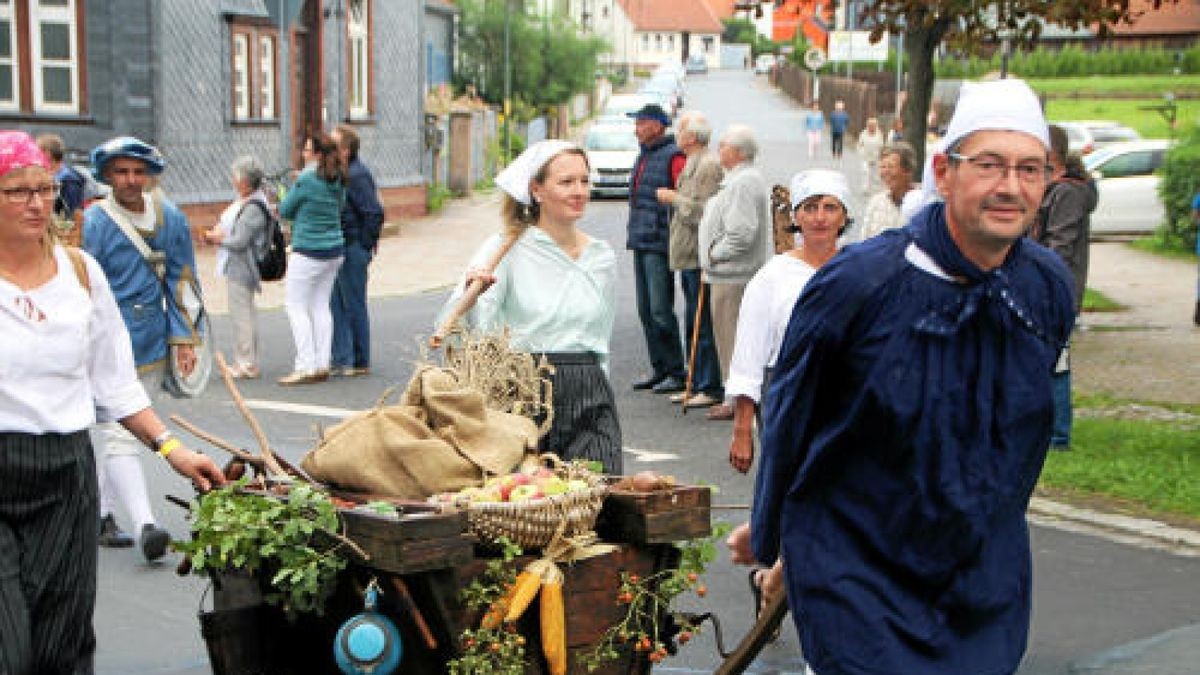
(1109, 134)
(612, 138)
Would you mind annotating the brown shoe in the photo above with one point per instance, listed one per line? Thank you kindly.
(318, 375)
(355, 371)
(701, 400)
(719, 412)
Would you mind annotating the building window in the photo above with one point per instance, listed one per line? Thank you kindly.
(708, 45)
(40, 58)
(671, 42)
(658, 42)
(253, 82)
(9, 76)
(358, 35)
(646, 41)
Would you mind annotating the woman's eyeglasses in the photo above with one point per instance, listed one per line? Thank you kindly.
(22, 195)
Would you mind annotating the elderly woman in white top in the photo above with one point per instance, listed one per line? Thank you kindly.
(820, 209)
(241, 233)
(65, 362)
(554, 291)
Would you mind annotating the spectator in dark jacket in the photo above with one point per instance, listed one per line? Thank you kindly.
(1063, 226)
(362, 220)
(839, 120)
(70, 187)
(658, 166)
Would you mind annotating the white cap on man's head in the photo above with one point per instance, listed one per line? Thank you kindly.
(996, 105)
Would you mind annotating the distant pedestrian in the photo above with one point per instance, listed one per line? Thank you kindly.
(870, 144)
(909, 413)
(1196, 222)
(814, 124)
(896, 133)
(735, 240)
(240, 234)
(884, 210)
(314, 206)
(1063, 225)
(362, 221)
(700, 180)
(144, 245)
(68, 206)
(839, 121)
(648, 235)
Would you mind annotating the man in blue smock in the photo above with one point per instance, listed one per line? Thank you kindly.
(119, 231)
(910, 413)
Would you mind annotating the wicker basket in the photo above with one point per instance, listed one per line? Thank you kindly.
(533, 524)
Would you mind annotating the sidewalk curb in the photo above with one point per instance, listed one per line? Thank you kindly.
(1127, 529)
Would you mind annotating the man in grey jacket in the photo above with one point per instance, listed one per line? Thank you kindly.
(697, 184)
(734, 241)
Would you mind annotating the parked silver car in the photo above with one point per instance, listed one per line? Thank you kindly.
(1127, 179)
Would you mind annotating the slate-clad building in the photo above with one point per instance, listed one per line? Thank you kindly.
(207, 80)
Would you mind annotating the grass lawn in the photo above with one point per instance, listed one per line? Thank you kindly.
(1151, 86)
(1155, 244)
(1153, 464)
(1095, 301)
(1148, 123)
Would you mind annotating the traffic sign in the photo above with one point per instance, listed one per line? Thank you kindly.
(814, 58)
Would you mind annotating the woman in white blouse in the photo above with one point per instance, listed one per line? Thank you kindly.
(820, 209)
(554, 290)
(65, 363)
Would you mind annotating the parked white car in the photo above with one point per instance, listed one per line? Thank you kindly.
(1127, 180)
(620, 105)
(611, 149)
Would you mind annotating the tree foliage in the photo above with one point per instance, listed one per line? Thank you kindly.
(550, 61)
(965, 24)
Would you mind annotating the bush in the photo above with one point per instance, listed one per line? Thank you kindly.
(436, 196)
(1180, 183)
(1075, 61)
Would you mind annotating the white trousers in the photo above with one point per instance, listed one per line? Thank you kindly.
(245, 323)
(306, 297)
(119, 467)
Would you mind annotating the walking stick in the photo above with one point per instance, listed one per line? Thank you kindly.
(687, 386)
(467, 301)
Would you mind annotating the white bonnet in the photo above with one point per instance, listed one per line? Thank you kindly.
(814, 182)
(515, 177)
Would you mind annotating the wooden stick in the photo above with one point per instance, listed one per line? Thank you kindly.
(216, 441)
(467, 301)
(687, 387)
(409, 605)
(267, 456)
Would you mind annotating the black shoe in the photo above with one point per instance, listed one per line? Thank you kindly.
(649, 382)
(112, 536)
(669, 385)
(154, 542)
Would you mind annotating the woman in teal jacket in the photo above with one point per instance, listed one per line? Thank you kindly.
(314, 205)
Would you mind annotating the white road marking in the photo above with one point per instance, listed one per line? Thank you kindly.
(300, 408)
(651, 455)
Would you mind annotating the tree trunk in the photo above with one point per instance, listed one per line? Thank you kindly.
(920, 42)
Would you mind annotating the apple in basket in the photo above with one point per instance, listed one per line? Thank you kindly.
(576, 485)
(551, 485)
(485, 494)
(526, 492)
(510, 482)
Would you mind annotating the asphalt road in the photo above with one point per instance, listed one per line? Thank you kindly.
(1090, 595)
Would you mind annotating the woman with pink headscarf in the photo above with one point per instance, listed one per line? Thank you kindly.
(65, 363)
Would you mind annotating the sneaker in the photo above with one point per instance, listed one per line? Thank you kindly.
(677, 398)
(701, 400)
(112, 536)
(356, 371)
(301, 377)
(154, 541)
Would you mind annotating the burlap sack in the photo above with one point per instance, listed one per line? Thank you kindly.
(440, 437)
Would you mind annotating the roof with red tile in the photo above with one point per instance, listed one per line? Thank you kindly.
(1173, 18)
(677, 15)
(723, 9)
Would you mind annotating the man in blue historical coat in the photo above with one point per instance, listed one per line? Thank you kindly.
(910, 413)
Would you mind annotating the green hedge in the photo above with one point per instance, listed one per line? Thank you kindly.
(1073, 60)
(1180, 183)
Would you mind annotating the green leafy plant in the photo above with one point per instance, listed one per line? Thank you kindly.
(292, 538)
(649, 623)
(436, 196)
(499, 650)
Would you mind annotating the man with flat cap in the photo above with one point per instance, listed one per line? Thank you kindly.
(910, 413)
(649, 235)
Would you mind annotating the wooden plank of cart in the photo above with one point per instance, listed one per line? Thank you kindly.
(422, 559)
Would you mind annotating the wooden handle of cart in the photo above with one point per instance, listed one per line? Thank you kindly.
(409, 605)
(467, 301)
(760, 634)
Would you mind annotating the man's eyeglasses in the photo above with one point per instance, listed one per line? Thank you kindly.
(991, 167)
(22, 195)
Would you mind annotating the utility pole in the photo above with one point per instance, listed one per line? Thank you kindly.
(507, 82)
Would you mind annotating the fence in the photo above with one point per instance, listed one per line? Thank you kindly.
(859, 97)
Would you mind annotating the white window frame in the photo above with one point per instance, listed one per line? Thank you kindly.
(358, 41)
(13, 61)
(240, 74)
(64, 15)
(267, 56)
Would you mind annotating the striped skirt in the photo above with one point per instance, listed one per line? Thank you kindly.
(585, 413)
(49, 523)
